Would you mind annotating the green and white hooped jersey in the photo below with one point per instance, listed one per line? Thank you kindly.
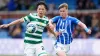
(36, 37)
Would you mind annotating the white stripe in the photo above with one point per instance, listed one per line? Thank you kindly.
(67, 31)
(57, 23)
(43, 24)
(40, 30)
(35, 34)
(70, 27)
(63, 34)
(32, 39)
(39, 23)
(27, 18)
(59, 27)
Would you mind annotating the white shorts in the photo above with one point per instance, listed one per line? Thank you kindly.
(61, 47)
(34, 50)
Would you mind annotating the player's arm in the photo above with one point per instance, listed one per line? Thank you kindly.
(53, 21)
(18, 21)
(52, 31)
(78, 22)
(51, 26)
(84, 27)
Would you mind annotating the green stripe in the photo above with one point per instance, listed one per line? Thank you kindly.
(46, 22)
(32, 36)
(40, 25)
(39, 32)
(43, 21)
(32, 42)
(42, 53)
(31, 18)
(40, 20)
(25, 19)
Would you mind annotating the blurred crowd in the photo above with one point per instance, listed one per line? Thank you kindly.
(92, 21)
(86, 5)
(13, 5)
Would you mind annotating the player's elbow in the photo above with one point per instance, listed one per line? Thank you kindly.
(21, 20)
(82, 25)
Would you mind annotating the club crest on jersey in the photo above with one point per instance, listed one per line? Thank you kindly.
(62, 30)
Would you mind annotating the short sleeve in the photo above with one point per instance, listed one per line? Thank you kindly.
(26, 18)
(55, 19)
(75, 20)
(47, 23)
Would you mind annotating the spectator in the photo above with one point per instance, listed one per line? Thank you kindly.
(75, 34)
(51, 7)
(20, 5)
(92, 6)
(80, 6)
(99, 4)
(82, 35)
(11, 5)
(1, 21)
(3, 5)
(97, 36)
(88, 20)
(85, 4)
(16, 31)
(95, 24)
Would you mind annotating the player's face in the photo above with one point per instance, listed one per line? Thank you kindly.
(63, 12)
(41, 10)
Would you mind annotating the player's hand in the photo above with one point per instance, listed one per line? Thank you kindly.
(89, 32)
(57, 34)
(4, 26)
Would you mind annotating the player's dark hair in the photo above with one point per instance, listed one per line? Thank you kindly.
(42, 3)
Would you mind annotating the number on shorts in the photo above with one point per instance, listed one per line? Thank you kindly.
(42, 47)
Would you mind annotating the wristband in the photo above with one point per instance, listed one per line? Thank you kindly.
(86, 29)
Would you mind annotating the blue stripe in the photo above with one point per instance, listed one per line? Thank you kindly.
(59, 23)
(61, 37)
(65, 29)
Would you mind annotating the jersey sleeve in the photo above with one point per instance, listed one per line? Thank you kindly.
(27, 18)
(55, 19)
(75, 21)
(47, 22)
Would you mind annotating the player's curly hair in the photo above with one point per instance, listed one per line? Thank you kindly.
(42, 3)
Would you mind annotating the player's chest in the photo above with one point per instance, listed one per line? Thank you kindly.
(64, 23)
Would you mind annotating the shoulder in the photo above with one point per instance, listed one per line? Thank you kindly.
(72, 18)
(46, 18)
(56, 17)
(33, 14)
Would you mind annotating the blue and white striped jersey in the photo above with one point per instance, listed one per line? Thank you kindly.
(66, 27)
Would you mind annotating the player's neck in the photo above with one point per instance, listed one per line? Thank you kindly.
(41, 16)
(65, 17)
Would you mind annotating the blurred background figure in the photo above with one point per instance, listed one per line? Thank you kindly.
(16, 31)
